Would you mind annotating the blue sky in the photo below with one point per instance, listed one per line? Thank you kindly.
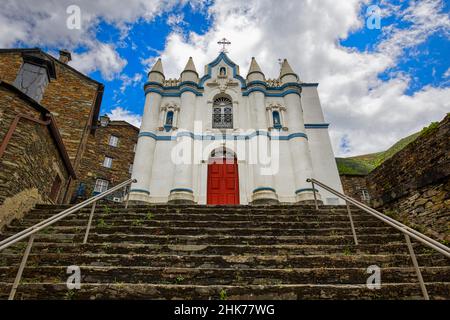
(396, 78)
(145, 40)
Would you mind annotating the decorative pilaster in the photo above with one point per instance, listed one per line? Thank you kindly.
(143, 159)
(264, 191)
(182, 191)
(300, 153)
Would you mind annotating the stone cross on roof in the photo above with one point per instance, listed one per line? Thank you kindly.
(224, 42)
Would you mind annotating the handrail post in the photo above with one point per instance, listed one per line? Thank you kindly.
(416, 267)
(21, 268)
(127, 199)
(88, 228)
(351, 222)
(315, 196)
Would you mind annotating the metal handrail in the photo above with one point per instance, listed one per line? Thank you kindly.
(407, 231)
(33, 230)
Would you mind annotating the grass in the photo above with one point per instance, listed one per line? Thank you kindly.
(223, 295)
(70, 294)
(364, 164)
(101, 223)
(106, 209)
(179, 279)
(347, 251)
(149, 216)
(137, 223)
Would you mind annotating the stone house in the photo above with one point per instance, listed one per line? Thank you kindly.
(72, 98)
(108, 159)
(34, 164)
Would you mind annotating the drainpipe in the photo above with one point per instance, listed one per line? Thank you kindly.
(13, 127)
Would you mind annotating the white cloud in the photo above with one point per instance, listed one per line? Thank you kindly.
(447, 73)
(130, 81)
(120, 113)
(366, 113)
(103, 57)
(43, 23)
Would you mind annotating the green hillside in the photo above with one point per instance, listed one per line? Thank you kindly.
(362, 165)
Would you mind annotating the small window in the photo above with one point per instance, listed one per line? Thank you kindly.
(130, 168)
(113, 141)
(107, 162)
(276, 120)
(365, 195)
(104, 121)
(101, 185)
(223, 72)
(169, 121)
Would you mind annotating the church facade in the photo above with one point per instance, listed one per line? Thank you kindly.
(222, 139)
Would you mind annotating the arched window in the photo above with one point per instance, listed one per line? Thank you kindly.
(276, 120)
(223, 72)
(169, 118)
(222, 114)
(169, 121)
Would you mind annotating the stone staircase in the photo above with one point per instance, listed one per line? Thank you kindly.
(218, 252)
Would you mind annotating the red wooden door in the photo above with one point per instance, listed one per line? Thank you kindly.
(223, 183)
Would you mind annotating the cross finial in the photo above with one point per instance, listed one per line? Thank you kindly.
(224, 42)
(280, 62)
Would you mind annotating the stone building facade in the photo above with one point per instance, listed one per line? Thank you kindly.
(72, 98)
(34, 165)
(355, 186)
(108, 159)
(414, 185)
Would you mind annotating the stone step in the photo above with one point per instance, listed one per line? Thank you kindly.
(211, 217)
(201, 252)
(249, 240)
(224, 261)
(208, 209)
(143, 228)
(117, 291)
(217, 223)
(223, 276)
(215, 292)
(218, 249)
(50, 207)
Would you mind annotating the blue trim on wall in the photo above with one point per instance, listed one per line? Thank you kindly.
(181, 190)
(269, 94)
(317, 125)
(140, 191)
(220, 136)
(173, 94)
(264, 84)
(305, 190)
(152, 83)
(264, 189)
(309, 84)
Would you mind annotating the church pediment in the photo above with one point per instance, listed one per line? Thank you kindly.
(223, 72)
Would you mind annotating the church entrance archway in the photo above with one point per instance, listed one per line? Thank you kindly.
(223, 178)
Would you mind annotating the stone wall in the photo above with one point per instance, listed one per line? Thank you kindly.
(98, 147)
(30, 162)
(413, 185)
(72, 98)
(354, 185)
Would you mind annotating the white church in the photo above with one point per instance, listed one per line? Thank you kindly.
(222, 139)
